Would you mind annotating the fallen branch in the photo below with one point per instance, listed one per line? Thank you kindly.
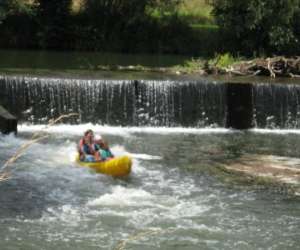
(273, 67)
(294, 76)
(272, 74)
(52, 122)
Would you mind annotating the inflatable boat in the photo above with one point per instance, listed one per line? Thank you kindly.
(117, 167)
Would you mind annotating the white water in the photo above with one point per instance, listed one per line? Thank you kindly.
(51, 203)
(122, 131)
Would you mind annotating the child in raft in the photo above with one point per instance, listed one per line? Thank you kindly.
(102, 148)
(87, 148)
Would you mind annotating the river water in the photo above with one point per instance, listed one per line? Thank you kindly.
(170, 201)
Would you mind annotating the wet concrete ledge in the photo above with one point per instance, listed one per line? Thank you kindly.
(239, 111)
(8, 122)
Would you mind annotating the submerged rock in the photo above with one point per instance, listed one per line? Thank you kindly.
(273, 169)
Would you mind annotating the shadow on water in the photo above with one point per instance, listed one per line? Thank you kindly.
(58, 60)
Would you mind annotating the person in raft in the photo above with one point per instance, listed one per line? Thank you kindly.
(101, 146)
(86, 148)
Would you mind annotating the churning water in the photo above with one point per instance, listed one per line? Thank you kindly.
(170, 201)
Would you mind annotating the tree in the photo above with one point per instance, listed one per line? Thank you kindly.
(121, 23)
(3, 10)
(17, 25)
(266, 26)
(53, 17)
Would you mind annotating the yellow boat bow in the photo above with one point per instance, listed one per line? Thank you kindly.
(117, 167)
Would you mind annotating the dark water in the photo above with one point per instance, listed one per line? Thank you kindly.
(54, 60)
(50, 203)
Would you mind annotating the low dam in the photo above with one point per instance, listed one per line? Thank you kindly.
(169, 103)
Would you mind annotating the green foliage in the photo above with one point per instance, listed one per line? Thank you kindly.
(258, 25)
(13, 7)
(53, 23)
(190, 66)
(223, 60)
(196, 12)
(3, 11)
(142, 26)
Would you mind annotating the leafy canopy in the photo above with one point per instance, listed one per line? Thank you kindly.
(259, 25)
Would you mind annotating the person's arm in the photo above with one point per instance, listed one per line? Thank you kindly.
(96, 152)
(81, 152)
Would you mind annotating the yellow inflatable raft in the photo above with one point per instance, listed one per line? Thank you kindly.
(117, 167)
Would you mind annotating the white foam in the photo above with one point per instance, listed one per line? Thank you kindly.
(123, 131)
(145, 156)
(275, 131)
(120, 150)
(122, 196)
(126, 131)
(66, 213)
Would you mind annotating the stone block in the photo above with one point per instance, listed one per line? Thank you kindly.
(8, 122)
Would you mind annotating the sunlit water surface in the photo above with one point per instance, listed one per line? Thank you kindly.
(168, 202)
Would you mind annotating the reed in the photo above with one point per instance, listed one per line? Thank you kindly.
(5, 172)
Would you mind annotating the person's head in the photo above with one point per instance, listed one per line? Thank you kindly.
(89, 135)
(104, 144)
(88, 132)
(98, 139)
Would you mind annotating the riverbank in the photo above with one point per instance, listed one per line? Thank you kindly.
(157, 66)
(227, 65)
(221, 65)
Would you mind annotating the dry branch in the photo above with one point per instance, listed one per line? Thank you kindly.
(274, 67)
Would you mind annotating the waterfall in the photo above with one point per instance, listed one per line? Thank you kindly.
(116, 102)
(277, 105)
(169, 103)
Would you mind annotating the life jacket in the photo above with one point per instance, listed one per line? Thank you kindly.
(84, 148)
(105, 153)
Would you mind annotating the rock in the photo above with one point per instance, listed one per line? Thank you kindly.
(8, 123)
(275, 169)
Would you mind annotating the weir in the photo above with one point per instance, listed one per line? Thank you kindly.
(169, 103)
(117, 102)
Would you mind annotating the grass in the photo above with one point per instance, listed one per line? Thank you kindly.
(196, 12)
(223, 60)
(193, 12)
(196, 65)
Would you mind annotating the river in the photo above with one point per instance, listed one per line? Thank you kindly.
(170, 201)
